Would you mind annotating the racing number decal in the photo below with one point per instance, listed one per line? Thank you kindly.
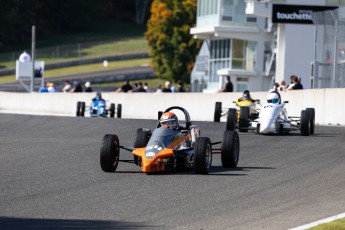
(152, 150)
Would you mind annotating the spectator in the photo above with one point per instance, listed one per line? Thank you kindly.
(159, 88)
(295, 84)
(88, 87)
(67, 87)
(43, 89)
(140, 88)
(228, 87)
(25, 57)
(125, 88)
(172, 87)
(180, 87)
(146, 87)
(167, 88)
(51, 88)
(77, 87)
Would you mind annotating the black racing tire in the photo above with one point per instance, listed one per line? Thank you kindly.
(202, 155)
(78, 108)
(141, 139)
(119, 111)
(311, 112)
(82, 109)
(217, 111)
(230, 149)
(110, 153)
(243, 122)
(305, 123)
(231, 119)
(112, 110)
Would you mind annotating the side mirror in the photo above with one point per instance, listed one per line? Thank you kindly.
(233, 101)
(286, 102)
(160, 113)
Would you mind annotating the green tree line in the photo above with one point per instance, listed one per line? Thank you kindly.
(58, 17)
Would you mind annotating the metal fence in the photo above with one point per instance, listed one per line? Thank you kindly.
(329, 57)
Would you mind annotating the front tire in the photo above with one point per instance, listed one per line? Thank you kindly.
(112, 110)
(110, 153)
(78, 109)
(217, 111)
(82, 109)
(230, 150)
(231, 119)
(202, 155)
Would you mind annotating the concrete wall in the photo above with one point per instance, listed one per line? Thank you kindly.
(328, 103)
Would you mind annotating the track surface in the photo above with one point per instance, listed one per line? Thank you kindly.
(51, 179)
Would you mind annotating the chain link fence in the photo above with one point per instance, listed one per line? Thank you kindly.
(329, 58)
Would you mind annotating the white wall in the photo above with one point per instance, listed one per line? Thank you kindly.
(328, 103)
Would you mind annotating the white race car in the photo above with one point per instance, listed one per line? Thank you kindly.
(273, 118)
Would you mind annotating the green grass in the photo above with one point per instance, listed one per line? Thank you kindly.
(335, 225)
(86, 68)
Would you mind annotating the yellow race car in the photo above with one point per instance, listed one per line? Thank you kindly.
(241, 116)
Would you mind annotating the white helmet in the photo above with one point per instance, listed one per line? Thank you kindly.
(273, 97)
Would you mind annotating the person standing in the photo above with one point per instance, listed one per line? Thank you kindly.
(228, 86)
(88, 87)
(180, 87)
(25, 57)
(67, 87)
(167, 88)
(125, 88)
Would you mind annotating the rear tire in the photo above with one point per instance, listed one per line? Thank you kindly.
(78, 108)
(142, 137)
(305, 123)
(231, 119)
(112, 110)
(202, 155)
(230, 150)
(119, 111)
(82, 108)
(311, 112)
(110, 153)
(243, 122)
(217, 111)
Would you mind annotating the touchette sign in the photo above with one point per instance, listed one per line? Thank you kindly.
(299, 14)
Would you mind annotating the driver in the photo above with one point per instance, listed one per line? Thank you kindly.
(98, 97)
(273, 97)
(169, 120)
(246, 96)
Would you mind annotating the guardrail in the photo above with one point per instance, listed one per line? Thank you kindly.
(328, 103)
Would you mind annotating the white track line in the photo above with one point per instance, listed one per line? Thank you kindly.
(323, 221)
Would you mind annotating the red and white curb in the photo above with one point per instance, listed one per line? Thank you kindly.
(323, 221)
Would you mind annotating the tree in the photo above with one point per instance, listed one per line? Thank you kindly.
(172, 47)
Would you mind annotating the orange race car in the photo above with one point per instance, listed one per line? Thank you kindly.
(171, 146)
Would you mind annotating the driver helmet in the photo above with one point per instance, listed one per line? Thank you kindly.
(98, 96)
(273, 97)
(246, 95)
(169, 120)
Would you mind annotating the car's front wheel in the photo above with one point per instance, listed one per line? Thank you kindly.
(110, 153)
(202, 155)
(230, 150)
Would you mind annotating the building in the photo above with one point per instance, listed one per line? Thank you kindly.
(257, 43)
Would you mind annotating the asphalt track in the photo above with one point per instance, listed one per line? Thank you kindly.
(51, 179)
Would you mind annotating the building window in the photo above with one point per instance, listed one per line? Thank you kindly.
(241, 84)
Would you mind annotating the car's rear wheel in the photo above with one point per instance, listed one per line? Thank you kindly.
(141, 139)
(305, 123)
(112, 110)
(217, 111)
(230, 150)
(202, 155)
(82, 109)
(231, 119)
(119, 111)
(243, 122)
(311, 112)
(110, 153)
(78, 108)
